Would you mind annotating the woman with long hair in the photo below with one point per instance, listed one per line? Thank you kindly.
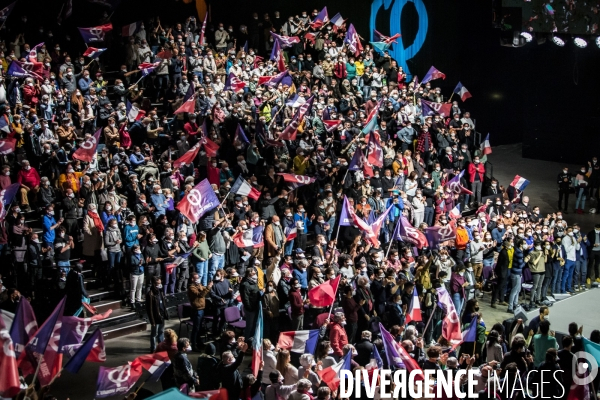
(285, 368)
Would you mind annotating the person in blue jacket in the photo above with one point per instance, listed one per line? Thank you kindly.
(50, 225)
(302, 229)
(131, 234)
(581, 260)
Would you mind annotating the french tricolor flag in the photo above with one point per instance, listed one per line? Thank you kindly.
(299, 341)
(243, 188)
(130, 29)
(485, 146)
(519, 183)
(455, 213)
(414, 308)
(462, 91)
(331, 375)
(291, 232)
(93, 52)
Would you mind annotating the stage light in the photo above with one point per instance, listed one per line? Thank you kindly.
(598, 41)
(558, 41)
(528, 36)
(579, 42)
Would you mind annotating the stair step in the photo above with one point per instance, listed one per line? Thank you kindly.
(124, 329)
(97, 295)
(106, 305)
(117, 317)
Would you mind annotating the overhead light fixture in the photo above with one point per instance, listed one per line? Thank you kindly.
(580, 42)
(528, 36)
(598, 41)
(558, 41)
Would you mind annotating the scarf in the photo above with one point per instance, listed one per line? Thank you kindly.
(97, 221)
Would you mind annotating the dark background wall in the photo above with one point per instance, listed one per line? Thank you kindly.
(542, 95)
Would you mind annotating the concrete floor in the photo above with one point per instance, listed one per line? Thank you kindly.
(507, 162)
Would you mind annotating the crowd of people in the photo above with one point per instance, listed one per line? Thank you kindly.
(117, 215)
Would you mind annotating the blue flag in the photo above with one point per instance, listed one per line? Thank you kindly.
(375, 356)
(41, 338)
(240, 135)
(592, 348)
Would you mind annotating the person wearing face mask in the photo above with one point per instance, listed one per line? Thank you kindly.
(351, 310)
(537, 266)
(571, 245)
(593, 269)
(296, 304)
(458, 283)
(93, 232)
(196, 295)
(462, 239)
(136, 274)
(251, 295)
(183, 371)
(337, 334)
(516, 271)
(363, 292)
(152, 257)
(564, 184)
(580, 183)
(157, 312)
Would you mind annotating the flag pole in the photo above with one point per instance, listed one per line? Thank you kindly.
(430, 318)
(450, 99)
(334, 296)
(139, 387)
(37, 370)
(56, 376)
(392, 239)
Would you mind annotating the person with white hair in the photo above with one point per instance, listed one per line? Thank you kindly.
(364, 349)
(302, 390)
(337, 334)
(307, 361)
(92, 232)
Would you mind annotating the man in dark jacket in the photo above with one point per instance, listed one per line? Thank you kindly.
(157, 312)
(228, 373)
(296, 304)
(251, 297)
(75, 290)
(501, 272)
(364, 348)
(221, 294)
(196, 295)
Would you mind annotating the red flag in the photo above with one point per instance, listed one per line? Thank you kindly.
(414, 312)
(331, 124)
(189, 102)
(188, 157)
(9, 378)
(164, 55)
(375, 156)
(289, 133)
(366, 229)
(280, 61)
(324, 294)
(210, 147)
(87, 150)
(152, 361)
(201, 40)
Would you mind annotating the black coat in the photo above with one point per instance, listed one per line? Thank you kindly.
(364, 348)
(156, 307)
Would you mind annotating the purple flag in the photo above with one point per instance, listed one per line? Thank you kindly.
(346, 214)
(432, 74)
(389, 344)
(6, 197)
(470, 334)
(438, 234)
(356, 164)
(275, 51)
(76, 362)
(285, 41)
(117, 380)
(5, 12)
(24, 325)
(240, 136)
(284, 78)
(95, 33)
(41, 338)
(198, 201)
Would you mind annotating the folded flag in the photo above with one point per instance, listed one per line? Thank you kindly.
(203, 31)
(331, 375)
(486, 148)
(462, 91)
(277, 56)
(320, 20)
(257, 342)
(519, 183)
(285, 41)
(93, 52)
(177, 261)
(243, 188)
(95, 33)
(250, 237)
(432, 74)
(375, 156)
(324, 294)
(24, 326)
(311, 36)
(414, 308)
(131, 29)
(300, 342)
(92, 350)
(295, 101)
(118, 380)
(359, 162)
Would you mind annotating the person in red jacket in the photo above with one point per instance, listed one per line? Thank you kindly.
(296, 304)
(339, 69)
(337, 334)
(476, 174)
(213, 171)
